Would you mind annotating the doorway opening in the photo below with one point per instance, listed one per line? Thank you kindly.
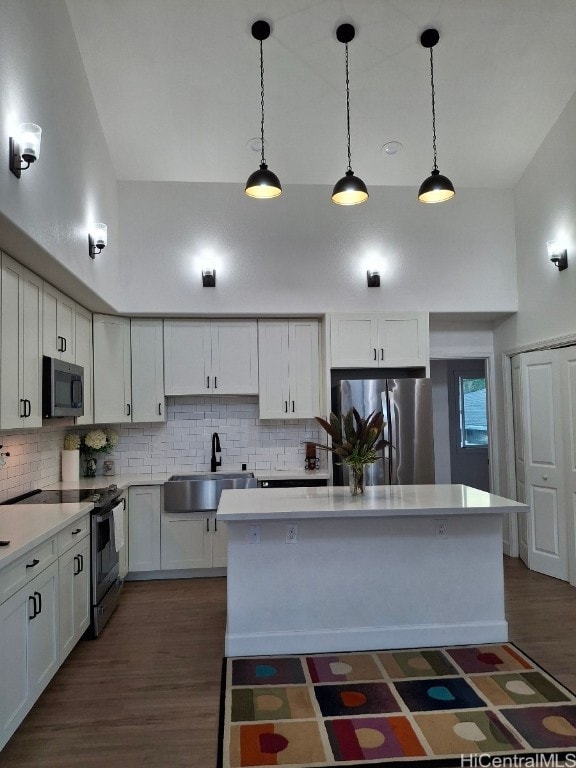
(461, 426)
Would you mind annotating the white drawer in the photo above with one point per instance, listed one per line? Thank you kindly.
(23, 570)
(73, 533)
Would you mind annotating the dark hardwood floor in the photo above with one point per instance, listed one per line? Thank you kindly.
(146, 693)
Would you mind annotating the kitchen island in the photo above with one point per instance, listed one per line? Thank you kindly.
(317, 569)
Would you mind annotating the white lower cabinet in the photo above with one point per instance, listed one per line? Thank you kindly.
(168, 541)
(74, 577)
(144, 504)
(29, 647)
(192, 540)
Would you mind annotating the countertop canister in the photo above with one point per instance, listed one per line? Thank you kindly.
(70, 465)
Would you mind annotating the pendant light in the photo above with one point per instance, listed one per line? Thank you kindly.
(436, 188)
(262, 184)
(350, 189)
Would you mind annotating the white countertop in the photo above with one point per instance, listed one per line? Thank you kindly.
(378, 501)
(126, 480)
(26, 525)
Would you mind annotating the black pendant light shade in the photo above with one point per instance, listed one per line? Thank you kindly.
(436, 188)
(350, 189)
(263, 183)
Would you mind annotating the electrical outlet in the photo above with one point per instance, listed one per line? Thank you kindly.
(441, 527)
(254, 534)
(291, 533)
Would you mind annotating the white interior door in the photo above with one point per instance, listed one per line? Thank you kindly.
(519, 454)
(545, 489)
(568, 387)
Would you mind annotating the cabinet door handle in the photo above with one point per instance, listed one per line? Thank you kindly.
(34, 607)
(285, 406)
(128, 409)
(381, 353)
(29, 407)
(33, 564)
(375, 354)
(207, 382)
(39, 601)
(159, 409)
(64, 344)
(215, 525)
(76, 565)
(76, 531)
(208, 525)
(215, 382)
(59, 345)
(292, 406)
(23, 410)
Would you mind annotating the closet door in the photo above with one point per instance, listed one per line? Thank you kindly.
(545, 476)
(568, 388)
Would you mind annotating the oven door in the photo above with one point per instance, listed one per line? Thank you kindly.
(105, 563)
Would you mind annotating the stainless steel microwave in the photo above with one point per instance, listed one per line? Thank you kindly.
(62, 388)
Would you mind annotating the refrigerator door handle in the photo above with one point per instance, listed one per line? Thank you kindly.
(393, 439)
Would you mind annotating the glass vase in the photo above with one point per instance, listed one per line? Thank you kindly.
(90, 467)
(356, 475)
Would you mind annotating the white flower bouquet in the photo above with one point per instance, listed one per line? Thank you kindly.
(72, 442)
(98, 441)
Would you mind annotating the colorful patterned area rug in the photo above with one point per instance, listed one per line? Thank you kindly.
(449, 706)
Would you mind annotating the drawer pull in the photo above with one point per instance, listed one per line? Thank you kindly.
(5, 543)
(33, 563)
(78, 530)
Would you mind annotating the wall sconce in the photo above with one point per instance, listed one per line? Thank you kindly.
(373, 279)
(208, 278)
(558, 254)
(25, 146)
(97, 239)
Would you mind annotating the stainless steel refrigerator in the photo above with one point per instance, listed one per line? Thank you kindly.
(407, 408)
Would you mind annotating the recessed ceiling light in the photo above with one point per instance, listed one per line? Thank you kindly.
(255, 144)
(392, 148)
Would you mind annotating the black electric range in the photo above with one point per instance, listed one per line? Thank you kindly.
(100, 496)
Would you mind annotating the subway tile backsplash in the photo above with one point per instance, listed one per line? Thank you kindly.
(181, 444)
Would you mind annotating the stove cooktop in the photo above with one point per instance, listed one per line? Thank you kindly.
(63, 496)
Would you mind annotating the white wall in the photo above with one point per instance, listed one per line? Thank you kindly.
(545, 208)
(44, 215)
(300, 253)
(439, 376)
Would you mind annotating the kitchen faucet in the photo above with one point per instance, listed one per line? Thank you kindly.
(215, 449)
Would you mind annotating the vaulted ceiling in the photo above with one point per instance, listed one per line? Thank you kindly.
(176, 84)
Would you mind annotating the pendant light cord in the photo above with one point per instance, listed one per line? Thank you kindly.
(348, 111)
(263, 161)
(433, 107)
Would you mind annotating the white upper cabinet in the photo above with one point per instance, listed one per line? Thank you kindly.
(84, 357)
(147, 344)
(112, 371)
(59, 316)
(289, 369)
(21, 347)
(387, 340)
(217, 357)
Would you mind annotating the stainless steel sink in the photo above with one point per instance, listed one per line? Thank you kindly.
(201, 493)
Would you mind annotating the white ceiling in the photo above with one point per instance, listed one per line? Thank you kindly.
(176, 85)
